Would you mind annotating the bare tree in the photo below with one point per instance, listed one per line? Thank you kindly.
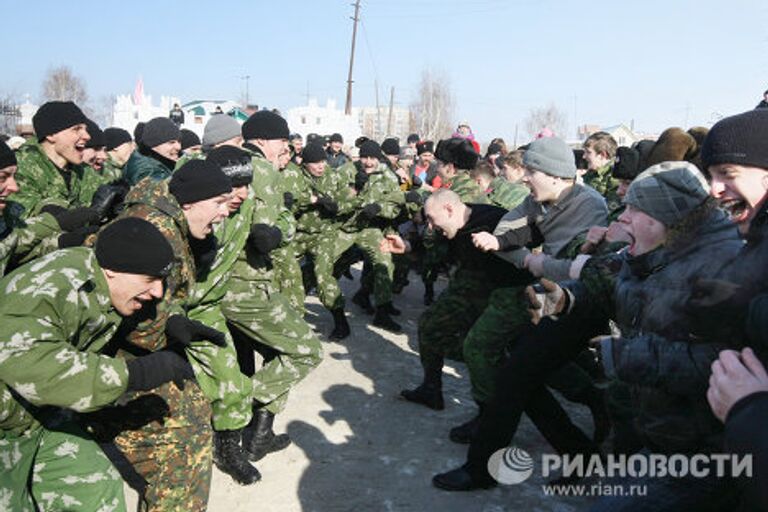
(546, 117)
(62, 85)
(433, 108)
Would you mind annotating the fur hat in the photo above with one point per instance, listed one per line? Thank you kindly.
(673, 145)
(458, 152)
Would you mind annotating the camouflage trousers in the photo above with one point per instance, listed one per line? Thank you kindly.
(265, 317)
(382, 267)
(321, 248)
(57, 469)
(218, 374)
(495, 329)
(169, 445)
(288, 275)
(444, 325)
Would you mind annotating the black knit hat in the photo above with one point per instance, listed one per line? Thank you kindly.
(55, 116)
(97, 136)
(267, 125)
(189, 139)
(360, 141)
(626, 165)
(458, 152)
(234, 162)
(7, 156)
(425, 146)
(390, 146)
(138, 131)
(158, 131)
(739, 139)
(115, 137)
(371, 148)
(134, 246)
(336, 137)
(412, 138)
(313, 153)
(198, 180)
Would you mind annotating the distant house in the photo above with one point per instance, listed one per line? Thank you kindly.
(312, 118)
(198, 112)
(623, 135)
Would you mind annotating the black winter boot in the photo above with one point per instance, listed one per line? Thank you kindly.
(340, 325)
(383, 320)
(600, 416)
(391, 309)
(464, 433)
(259, 440)
(430, 392)
(231, 459)
(362, 299)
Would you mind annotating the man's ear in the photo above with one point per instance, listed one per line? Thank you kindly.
(109, 273)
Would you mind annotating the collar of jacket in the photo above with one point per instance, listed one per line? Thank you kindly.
(149, 153)
(648, 263)
(254, 149)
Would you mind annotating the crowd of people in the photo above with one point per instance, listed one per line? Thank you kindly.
(141, 273)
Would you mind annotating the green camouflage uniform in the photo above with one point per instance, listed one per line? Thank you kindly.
(255, 307)
(505, 194)
(55, 317)
(603, 181)
(42, 183)
(22, 240)
(174, 455)
(112, 171)
(216, 368)
(287, 268)
(316, 233)
(382, 188)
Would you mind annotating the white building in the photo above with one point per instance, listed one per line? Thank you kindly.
(129, 111)
(312, 118)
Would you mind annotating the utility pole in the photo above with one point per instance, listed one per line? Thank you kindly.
(348, 106)
(391, 103)
(247, 89)
(378, 111)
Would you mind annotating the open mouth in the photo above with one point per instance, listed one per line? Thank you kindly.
(738, 210)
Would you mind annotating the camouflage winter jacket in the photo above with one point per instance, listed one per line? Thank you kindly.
(151, 201)
(466, 188)
(505, 194)
(603, 181)
(382, 188)
(55, 317)
(22, 240)
(269, 208)
(42, 183)
(310, 218)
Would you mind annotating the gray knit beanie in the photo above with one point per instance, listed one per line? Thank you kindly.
(220, 128)
(668, 191)
(552, 156)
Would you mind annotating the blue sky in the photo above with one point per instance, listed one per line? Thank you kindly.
(658, 63)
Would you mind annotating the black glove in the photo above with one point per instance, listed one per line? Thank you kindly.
(327, 205)
(416, 181)
(109, 197)
(360, 180)
(77, 237)
(264, 238)
(204, 252)
(370, 211)
(413, 197)
(70, 220)
(153, 370)
(180, 330)
(288, 200)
